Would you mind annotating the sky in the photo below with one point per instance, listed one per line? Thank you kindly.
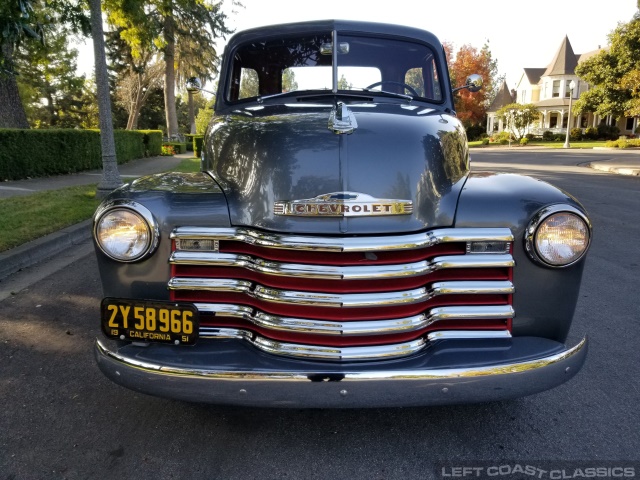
(520, 34)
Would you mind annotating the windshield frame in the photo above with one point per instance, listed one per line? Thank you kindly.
(337, 36)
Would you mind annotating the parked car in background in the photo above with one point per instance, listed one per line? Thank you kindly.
(335, 250)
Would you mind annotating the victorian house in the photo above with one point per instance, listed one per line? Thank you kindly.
(549, 89)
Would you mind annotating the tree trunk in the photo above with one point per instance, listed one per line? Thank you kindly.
(170, 77)
(11, 110)
(110, 176)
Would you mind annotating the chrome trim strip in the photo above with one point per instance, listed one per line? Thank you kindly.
(346, 244)
(366, 327)
(339, 300)
(317, 352)
(467, 334)
(536, 221)
(396, 384)
(367, 272)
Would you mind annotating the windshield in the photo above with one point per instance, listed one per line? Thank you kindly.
(305, 63)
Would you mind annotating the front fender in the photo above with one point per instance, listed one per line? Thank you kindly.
(174, 199)
(545, 298)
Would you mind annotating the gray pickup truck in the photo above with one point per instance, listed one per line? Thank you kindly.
(335, 250)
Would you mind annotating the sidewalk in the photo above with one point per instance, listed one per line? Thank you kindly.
(33, 252)
(42, 248)
(623, 166)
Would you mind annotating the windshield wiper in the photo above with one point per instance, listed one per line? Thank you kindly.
(391, 94)
(282, 94)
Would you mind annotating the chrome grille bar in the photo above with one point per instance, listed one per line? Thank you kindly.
(367, 272)
(320, 299)
(369, 327)
(344, 244)
(360, 353)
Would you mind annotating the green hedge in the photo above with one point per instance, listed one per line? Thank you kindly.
(153, 142)
(38, 153)
(197, 144)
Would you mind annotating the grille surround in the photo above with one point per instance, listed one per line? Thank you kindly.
(305, 322)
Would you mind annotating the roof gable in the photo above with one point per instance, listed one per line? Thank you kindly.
(565, 61)
(534, 74)
(503, 98)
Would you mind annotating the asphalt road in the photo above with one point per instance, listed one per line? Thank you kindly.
(60, 418)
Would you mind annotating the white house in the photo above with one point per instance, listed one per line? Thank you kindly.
(549, 89)
(503, 98)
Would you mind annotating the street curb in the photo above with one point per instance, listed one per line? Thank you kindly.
(611, 169)
(42, 248)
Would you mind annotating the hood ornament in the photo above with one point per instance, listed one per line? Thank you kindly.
(341, 120)
(343, 204)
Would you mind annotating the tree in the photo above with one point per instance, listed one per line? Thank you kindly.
(134, 87)
(344, 84)
(289, 83)
(17, 22)
(471, 107)
(24, 20)
(51, 92)
(110, 176)
(184, 31)
(613, 75)
(518, 117)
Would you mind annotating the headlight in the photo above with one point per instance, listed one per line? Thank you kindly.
(558, 236)
(125, 231)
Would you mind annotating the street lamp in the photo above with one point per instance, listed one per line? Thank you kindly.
(572, 85)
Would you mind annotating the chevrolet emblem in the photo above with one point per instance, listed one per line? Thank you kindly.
(343, 204)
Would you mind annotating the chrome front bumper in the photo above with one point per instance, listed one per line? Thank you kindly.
(448, 372)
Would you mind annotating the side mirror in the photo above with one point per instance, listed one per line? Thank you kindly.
(473, 84)
(193, 85)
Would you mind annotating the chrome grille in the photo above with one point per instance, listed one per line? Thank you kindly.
(345, 298)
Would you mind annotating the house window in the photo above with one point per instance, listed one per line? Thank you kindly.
(556, 89)
(583, 121)
(629, 125)
(523, 96)
(565, 121)
(567, 89)
(553, 120)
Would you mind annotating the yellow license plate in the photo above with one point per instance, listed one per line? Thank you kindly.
(150, 321)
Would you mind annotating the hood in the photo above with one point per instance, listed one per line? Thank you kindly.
(400, 169)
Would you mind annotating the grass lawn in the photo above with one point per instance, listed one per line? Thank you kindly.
(28, 217)
(537, 143)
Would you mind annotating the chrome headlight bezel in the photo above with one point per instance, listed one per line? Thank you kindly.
(141, 212)
(538, 220)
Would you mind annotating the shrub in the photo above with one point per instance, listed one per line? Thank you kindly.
(590, 133)
(485, 141)
(178, 147)
(524, 141)
(152, 142)
(38, 153)
(475, 132)
(168, 151)
(129, 145)
(547, 135)
(608, 132)
(575, 134)
(197, 144)
(620, 143)
(559, 137)
(530, 136)
(502, 137)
